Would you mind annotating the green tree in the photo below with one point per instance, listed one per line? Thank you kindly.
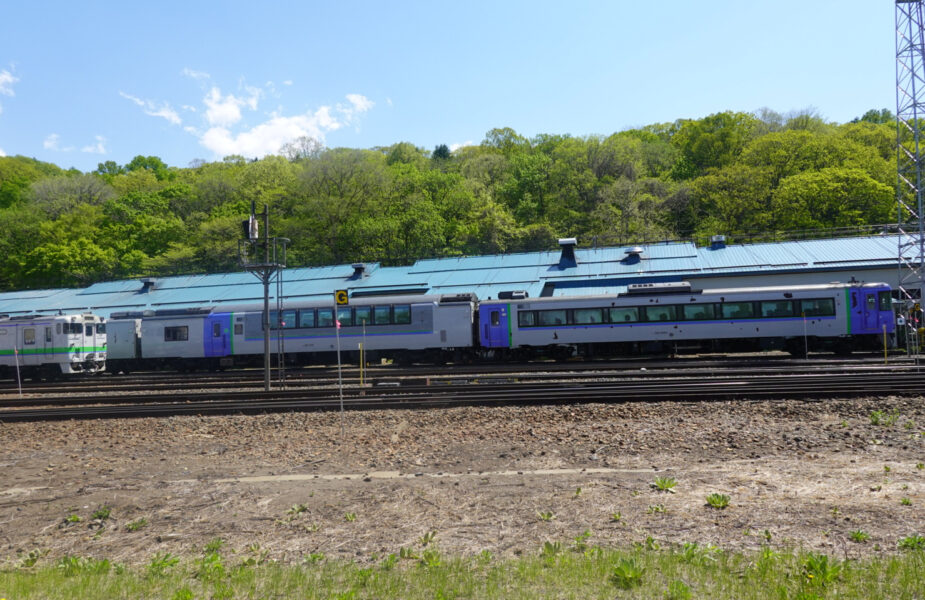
(831, 197)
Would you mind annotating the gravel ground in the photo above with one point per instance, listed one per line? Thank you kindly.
(798, 473)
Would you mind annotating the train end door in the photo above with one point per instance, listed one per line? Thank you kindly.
(216, 336)
(494, 326)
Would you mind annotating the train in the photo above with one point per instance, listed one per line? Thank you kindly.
(438, 328)
(52, 346)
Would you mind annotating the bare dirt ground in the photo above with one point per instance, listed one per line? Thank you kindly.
(804, 474)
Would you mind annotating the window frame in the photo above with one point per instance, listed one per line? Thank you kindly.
(177, 333)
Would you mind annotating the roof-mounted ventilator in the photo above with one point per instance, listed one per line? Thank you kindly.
(633, 255)
(717, 242)
(567, 259)
(359, 271)
(147, 285)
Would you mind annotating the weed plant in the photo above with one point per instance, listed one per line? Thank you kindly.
(692, 571)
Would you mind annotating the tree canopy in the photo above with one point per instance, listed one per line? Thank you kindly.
(728, 173)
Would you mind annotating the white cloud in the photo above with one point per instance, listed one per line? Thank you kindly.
(192, 74)
(51, 142)
(6, 83)
(2, 153)
(268, 137)
(222, 111)
(287, 82)
(455, 147)
(98, 148)
(189, 108)
(154, 109)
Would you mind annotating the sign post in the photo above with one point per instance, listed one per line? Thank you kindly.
(341, 298)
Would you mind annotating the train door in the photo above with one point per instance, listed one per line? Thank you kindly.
(49, 344)
(493, 325)
(217, 335)
(871, 311)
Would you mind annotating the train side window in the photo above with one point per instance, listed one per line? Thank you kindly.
(239, 329)
(176, 334)
(325, 317)
(776, 308)
(698, 312)
(402, 314)
(871, 303)
(48, 336)
(818, 307)
(216, 330)
(382, 315)
(588, 316)
(660, 313)
(345, 316)
(495, 318)
(287, 321)
(551, 317)
(28, 336)
(361, 315)
(886, 301)
(58, 328)
(307, 318)
(854, 299)
(738, 310)
(624, 315)
(89, 331)
(526, 318)
(274, 320)
(101, 328)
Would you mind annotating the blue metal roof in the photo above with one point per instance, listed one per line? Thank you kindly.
(597, 270)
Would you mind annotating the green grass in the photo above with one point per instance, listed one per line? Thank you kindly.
(688, 571)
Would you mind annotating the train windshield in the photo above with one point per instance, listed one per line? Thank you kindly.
(101, 328)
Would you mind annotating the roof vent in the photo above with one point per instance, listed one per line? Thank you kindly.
(567, 259)
(147, 285)
(359, 270)
(633, 255)
(717, 242)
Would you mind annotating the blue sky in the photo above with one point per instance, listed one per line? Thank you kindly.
(86, 82)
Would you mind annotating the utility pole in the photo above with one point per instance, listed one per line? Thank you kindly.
(265, 268)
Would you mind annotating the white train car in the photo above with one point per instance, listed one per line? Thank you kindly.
(52, 346)
(430, 327)
(672, 317)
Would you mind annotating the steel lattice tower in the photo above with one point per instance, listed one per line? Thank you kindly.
(910, 110)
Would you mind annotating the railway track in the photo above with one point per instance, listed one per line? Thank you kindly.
(324, 376)
(749, 387)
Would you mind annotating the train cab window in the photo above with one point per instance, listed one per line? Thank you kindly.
(28, 336)
(361, 315)
(818, 307)
(660, 313)
(546, 318)
(176, 334)
(382, 315)
(588, 316)
(307, 318)
(776, 308)
(325, 317)
(48, 336)
(885, 300)
(738, 310)
(402, 314)
(624, 315)
(89, 331)
(101, 329)
(698, 312)
(345, 316)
